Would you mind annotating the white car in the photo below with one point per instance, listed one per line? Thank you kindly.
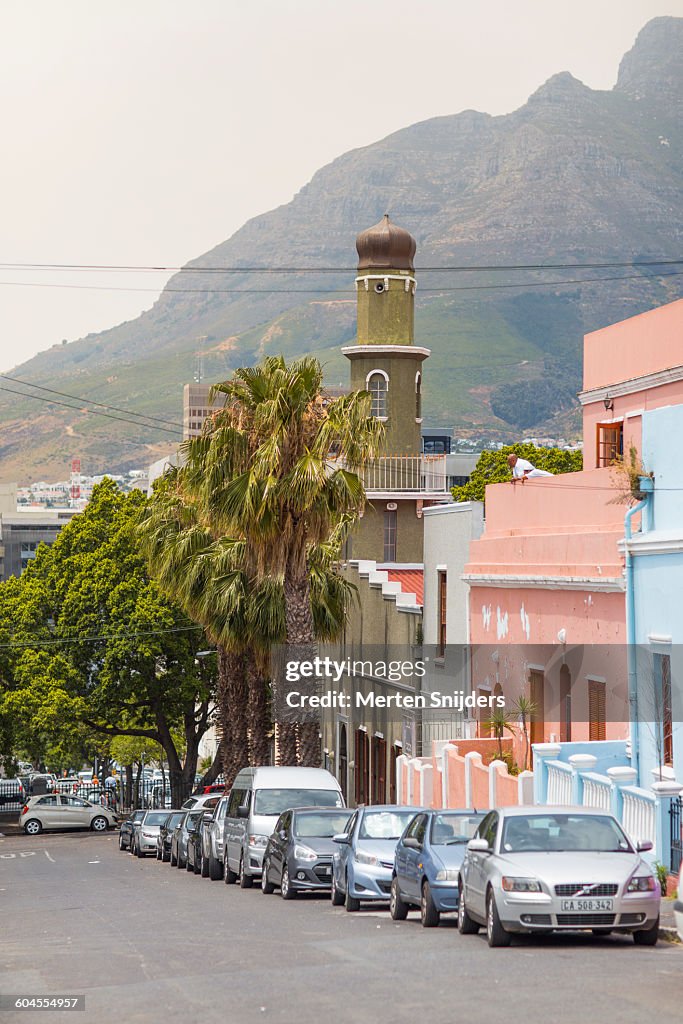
(56, 811)
(678, 906)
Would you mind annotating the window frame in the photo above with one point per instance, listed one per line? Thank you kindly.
(380, 397)
(608, 451)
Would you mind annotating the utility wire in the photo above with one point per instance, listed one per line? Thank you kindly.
(459, 268)
(93, 639)
(93, 412)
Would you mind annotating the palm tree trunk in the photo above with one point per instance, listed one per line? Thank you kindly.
(231, 695)
(257, 713)
(301, 646)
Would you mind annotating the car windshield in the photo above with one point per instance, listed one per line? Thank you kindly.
(275, 801)
(320, 825)
(384, 824)
(155, 818)
(453, 829)
(562, 833)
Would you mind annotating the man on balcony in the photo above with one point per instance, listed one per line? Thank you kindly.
(521, 469)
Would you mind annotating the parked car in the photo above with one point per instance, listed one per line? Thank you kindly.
(55, 811)
(299, 852)
(144, 839)
(427, 864)
(678, 906)
(212, 840)
(42, 783)
(128, 827)
(257, 799)
(195, 847)
(207, 801)
(70, 784)
(215, 787)
(555, 869)
(172, 819)
(363, 862)
(188, 823)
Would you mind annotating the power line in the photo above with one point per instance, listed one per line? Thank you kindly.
(92, 412)
(459, 268)
(104, 636)
(326, 291)
(90, 401)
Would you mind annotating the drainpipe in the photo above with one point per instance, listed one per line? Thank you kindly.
(646, 487)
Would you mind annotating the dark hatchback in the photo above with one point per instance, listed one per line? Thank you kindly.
(165, 833)
(128, 827)
(180, 836)
(196, 861)
(298, 856)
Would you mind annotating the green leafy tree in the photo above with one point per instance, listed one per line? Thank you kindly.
(93, 643)
(492, 467)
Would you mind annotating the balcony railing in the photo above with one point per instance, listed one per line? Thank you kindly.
(415, 473)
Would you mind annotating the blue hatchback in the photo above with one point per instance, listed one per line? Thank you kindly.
(427, 862)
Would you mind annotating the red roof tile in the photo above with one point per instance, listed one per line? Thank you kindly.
(411, 580)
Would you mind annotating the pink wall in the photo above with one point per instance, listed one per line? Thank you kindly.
(642, 344)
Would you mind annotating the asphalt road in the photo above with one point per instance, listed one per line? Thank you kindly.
(146, 942)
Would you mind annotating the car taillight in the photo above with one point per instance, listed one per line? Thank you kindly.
(24, 809)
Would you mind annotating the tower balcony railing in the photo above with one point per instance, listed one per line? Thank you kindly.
(418, 474)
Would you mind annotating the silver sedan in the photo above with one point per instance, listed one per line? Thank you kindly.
(547, 869)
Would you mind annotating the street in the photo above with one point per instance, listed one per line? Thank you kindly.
(146, 942)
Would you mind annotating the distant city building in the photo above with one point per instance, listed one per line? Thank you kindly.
(23, 531)
(197, 407)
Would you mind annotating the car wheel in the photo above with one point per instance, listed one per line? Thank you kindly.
(182, 863)
(165, 855)
(350, 902)
(398, 908)
(429, 915)
(286, 889)
(215, 869)
(204, 866)
(99, 824)
(648, 936)
(466, 926)
(174, 859)
(229, 876)
(336, 895)
(246, 881)
(267, 887)
(33, 827)
(495, 933)
(121, 846)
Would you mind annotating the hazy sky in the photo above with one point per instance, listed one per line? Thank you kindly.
(147, 131)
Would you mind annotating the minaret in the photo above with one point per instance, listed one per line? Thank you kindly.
(385, 360)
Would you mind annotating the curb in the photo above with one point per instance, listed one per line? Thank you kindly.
(669, 934)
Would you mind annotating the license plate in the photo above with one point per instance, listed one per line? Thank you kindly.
(587, 906)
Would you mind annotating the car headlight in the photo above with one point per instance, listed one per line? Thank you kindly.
(511, 884)
(366, 858)
(304, 853)
(260, 841)
(642, 883)
(447, 875)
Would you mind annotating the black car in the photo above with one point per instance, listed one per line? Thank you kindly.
(181, 833)
(196, 861)
(128, 828)
(299, 852)
(166, 833)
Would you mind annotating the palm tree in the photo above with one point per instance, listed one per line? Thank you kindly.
(497, 724)
(265, 473)
(524, 709)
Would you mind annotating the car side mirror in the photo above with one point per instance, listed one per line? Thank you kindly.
(242, 811)
(644, 845)
(479, 846)
(282, 834)
(412, 843)
(343, 839)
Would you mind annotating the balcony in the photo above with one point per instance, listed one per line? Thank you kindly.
(411, 474)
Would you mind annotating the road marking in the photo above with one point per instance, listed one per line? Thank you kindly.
(49, 857)
(93, 862)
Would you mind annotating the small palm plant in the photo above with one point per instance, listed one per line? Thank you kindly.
(524, 710)
(497, 723)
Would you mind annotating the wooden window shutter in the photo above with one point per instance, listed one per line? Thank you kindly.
(596, 710)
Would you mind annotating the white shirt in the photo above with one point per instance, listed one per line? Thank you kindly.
(523, 468)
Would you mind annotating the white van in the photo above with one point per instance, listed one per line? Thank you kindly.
(257, 799)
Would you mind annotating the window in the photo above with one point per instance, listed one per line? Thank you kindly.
(362, 766)
(418, 828)
(379, 762)
(565, 705)
(610, 443)
(537, 688)
(441, 646)
(487, 829)
(343, 760)
(390, 535)
(418, 397)
(50, 801)
(596, 710)
(236, 800)
(378, 385)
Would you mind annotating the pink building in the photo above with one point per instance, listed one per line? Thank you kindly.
(547, 610)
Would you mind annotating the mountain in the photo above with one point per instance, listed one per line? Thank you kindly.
(574, 176)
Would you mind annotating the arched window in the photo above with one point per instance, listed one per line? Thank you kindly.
(377, 383)
(418, 397)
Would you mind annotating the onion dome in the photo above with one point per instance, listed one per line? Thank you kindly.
(386, 246)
